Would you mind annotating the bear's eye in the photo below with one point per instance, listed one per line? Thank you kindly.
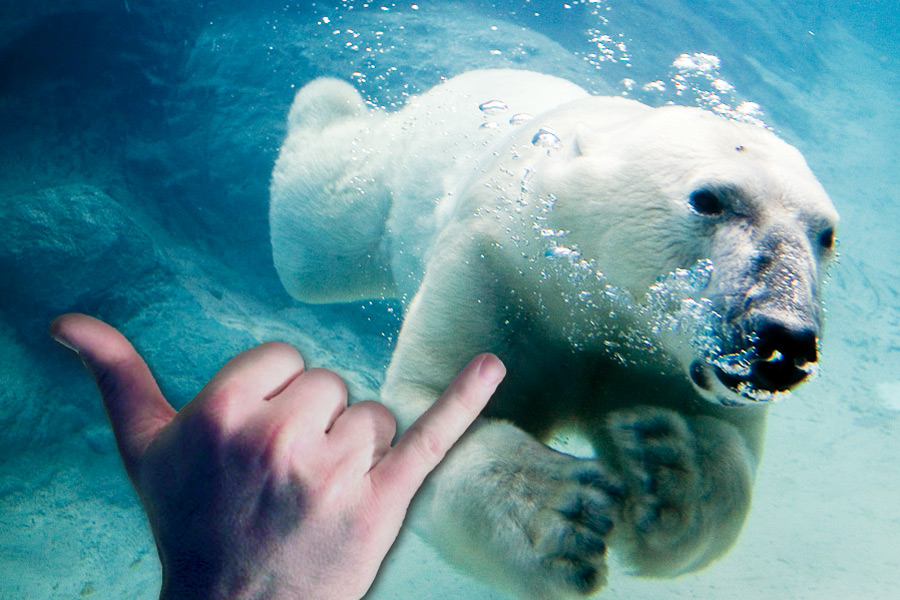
(707, 202)
(826, 238)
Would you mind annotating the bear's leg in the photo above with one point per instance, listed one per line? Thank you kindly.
(688, 483)
(327, 212)
(501, 504)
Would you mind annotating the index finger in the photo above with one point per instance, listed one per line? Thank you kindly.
(425, 443)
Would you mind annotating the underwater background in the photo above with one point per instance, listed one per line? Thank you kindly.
(137, 138)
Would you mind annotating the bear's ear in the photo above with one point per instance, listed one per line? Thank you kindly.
(587, 142)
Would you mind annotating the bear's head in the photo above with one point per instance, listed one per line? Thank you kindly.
(665, 188)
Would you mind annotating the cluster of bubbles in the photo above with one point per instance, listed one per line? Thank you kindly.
(694, 77)
(544, 137)
(608, 316)
(673, 313)
(494, 109)
(674, 306)
(605, 47)
(697, 76)
(369, 46)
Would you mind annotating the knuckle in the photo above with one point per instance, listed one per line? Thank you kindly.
(427, 444)
(217, 408)
(281, 349)
(382, 420)
(275, 450)
(376, 412)
(263, 448)
(221, 400)
(329, 380)
(371, 423)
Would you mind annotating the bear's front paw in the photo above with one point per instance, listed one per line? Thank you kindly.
(566, 508)
(659, 457)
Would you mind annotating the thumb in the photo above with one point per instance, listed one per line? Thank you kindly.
(136, 407)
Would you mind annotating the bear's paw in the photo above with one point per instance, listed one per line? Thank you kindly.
(659, 457)
(564, 509)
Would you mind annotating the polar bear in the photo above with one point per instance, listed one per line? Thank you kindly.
(651, 277)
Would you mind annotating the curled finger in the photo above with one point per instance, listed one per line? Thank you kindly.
(362, 435)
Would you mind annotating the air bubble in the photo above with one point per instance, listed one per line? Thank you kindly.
(492, 107)
(546, 138)
(562, 252)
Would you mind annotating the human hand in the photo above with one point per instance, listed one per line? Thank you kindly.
(267, 484)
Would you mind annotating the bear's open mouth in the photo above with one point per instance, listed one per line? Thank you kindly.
(774, 359)
(776, 374)
(759, 381)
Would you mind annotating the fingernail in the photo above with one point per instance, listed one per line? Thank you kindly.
(491, 369)
(62, 341)
(67, 345)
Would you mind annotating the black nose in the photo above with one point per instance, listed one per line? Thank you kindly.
(796, 344)
(782, 355)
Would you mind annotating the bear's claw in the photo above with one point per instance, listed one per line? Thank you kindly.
(581, 577)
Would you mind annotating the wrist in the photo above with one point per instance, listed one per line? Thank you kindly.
(197, 581)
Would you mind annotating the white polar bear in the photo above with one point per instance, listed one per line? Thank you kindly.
(514, 213)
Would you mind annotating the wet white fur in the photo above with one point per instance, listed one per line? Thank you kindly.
(426, 205)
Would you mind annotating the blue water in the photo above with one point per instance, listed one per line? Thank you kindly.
(136, 144)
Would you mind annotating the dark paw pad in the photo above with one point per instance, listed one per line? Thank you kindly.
(581, 577)
(596, 479)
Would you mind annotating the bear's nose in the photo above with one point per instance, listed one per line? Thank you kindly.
(797, 343)
(783, 353)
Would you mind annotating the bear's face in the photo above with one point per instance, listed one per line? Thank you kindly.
(678, 185)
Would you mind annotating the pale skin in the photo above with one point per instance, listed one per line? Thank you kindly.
(267, 484)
